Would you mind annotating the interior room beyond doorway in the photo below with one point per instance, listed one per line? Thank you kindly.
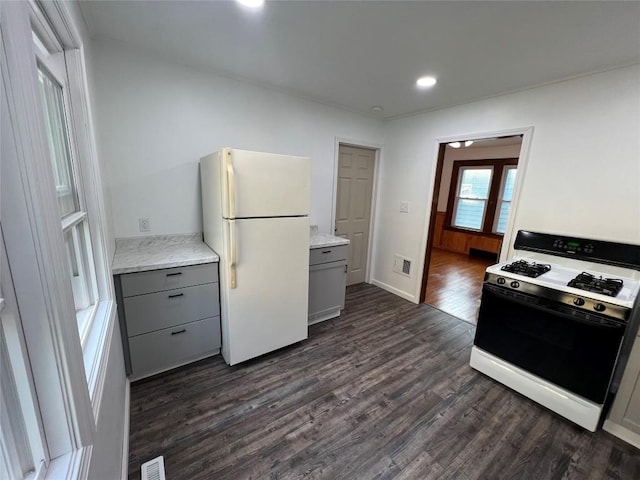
(474, 193)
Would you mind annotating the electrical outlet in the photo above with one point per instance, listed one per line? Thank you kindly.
(404, 207)
(144, 224)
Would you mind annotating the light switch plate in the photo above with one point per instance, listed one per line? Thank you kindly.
(404, 207)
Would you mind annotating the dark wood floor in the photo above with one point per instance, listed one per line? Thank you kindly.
(382, 392)
(454, 283)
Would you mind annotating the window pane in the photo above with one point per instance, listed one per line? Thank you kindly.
(58, 143)
(509, 184)
(503, 216)
(475, 183)
(469, 214)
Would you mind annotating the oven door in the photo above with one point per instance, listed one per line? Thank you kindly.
(573, 349)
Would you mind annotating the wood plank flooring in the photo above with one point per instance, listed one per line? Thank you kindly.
(454, 283)
(382, 392)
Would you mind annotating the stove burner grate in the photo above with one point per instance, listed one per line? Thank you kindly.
(528, 269)
(591, 283)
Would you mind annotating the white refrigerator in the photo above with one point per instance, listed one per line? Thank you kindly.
(255, 209)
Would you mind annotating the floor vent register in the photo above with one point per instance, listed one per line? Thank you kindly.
(153, 469)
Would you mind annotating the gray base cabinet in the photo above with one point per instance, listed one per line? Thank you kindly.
(168, 317)
(624, 417)
(327, 282)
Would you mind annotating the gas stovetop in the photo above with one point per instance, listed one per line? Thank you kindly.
(592, 283)
(588, 273)
(618, 287)
(528, 269)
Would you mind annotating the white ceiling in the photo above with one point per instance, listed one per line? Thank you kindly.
(364, 53)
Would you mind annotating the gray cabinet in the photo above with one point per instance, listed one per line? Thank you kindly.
(168, 317)
(327, 282)
(624, 418)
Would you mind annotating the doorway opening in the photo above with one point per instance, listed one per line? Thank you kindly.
(473, 191)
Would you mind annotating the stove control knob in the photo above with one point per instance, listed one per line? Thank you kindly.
(578, 301)
(515, 284)
(599, 307)
(501, 281)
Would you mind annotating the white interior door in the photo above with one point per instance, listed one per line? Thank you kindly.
(269, 185)
(353, 206)
(268, 309)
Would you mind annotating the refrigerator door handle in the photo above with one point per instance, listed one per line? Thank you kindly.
(232, 253)
(231, 185)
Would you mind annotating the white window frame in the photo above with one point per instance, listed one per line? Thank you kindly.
(501, 200)
(67, 376)
(458, 196)
(75, 226)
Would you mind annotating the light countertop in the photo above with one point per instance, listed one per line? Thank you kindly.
(139, 254)
(323, 240)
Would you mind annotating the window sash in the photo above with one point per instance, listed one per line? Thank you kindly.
(463, 215)
(503, 208)
(77, 236)
(58, 138)
(462, 201)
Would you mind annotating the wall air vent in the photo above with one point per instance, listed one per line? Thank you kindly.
(402, 265)
(153, 469)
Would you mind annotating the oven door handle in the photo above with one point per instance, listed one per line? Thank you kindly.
(560, 309)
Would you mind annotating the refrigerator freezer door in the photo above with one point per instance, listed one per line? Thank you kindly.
(264, 184)
(267, 309)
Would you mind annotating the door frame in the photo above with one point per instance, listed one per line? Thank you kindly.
(434, 188)
(377, 148)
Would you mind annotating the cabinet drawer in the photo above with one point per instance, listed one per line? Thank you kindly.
(167, 279)
(154, 311)
(158, 351)
(327, 254)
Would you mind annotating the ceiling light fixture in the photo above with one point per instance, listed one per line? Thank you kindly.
(251, 3)
(468, 143)
(455, 144)
(426, 82)
(376, 108)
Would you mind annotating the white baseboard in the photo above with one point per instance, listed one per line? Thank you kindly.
(125, 440)
(622, 433)
(394, 290)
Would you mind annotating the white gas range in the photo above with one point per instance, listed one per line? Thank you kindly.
(554, 321)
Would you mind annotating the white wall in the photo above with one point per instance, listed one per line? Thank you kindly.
(469, 153)
(582, 178)
(156, 119)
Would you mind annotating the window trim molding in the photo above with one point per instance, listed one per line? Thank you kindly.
(69, 382)
(498, 165)
(51, 334)
(98, 343)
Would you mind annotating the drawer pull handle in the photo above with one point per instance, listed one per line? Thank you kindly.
(179, 331)
(176, 295)
(326, 251)
(174, 274)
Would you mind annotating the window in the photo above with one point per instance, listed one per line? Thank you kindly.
(77, 236)
(472, 196)
(59, 313)
(480, 195)
(506, 194)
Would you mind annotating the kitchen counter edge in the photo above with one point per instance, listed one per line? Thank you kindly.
(141, 254)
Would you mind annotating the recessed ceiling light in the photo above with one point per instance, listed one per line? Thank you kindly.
(376, 108)
(468, 143)
(426, 82)
(455, 144)
(251, 3)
